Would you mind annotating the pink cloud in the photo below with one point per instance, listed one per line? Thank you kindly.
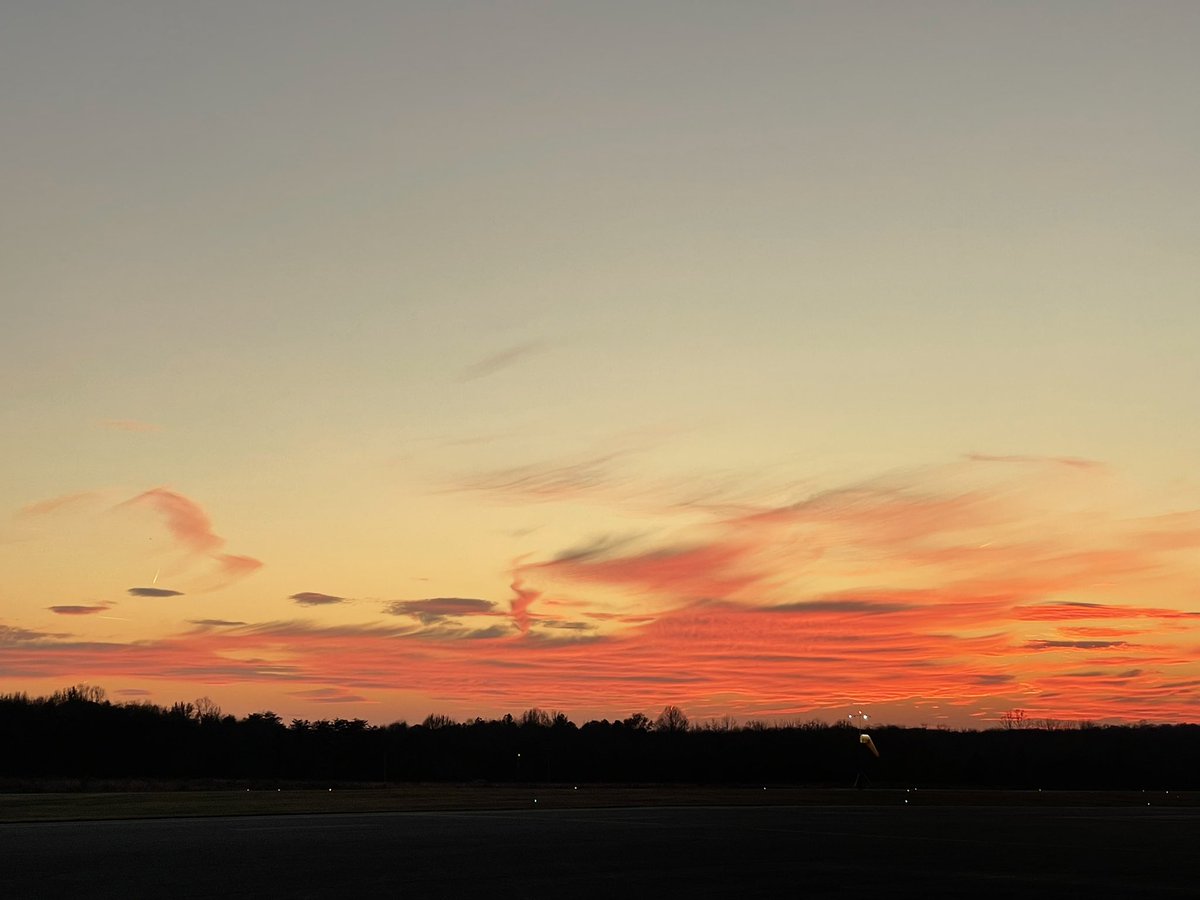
(54, 504)
(130, 425)
(193, 532)
(184, 518)
(522, 599)
(237, 566)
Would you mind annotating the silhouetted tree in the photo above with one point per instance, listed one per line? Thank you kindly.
(206, 710)
(535, 718)
(672, 720)
(636, 722)
(77, 734)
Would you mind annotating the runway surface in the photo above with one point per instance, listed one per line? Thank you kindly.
(808, 851)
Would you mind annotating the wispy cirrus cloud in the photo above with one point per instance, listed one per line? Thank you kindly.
(544, 481)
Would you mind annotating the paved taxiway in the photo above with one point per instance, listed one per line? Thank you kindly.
(808, 851)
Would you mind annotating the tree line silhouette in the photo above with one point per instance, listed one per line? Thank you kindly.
(78, 736)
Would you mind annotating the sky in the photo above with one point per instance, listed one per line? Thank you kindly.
(772, 360)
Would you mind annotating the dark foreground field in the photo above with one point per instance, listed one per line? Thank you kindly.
(115, 803)
(1030, 848)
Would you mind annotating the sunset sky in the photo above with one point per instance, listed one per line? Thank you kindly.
(776, 360)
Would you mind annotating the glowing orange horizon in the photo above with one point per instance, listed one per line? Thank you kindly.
(882, 594)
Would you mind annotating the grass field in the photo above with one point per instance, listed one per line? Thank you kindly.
(65, 806)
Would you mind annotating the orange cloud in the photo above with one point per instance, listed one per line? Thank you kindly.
(978, 596)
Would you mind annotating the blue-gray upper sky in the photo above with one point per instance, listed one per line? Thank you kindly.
(316, 263)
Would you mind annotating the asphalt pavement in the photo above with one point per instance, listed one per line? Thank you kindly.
(798, 851)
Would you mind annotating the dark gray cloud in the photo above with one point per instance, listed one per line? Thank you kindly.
(1074, 462)
(70, 610)
(1181, 684)
(870, 607)
(214, 623)
(314, 598)
(501, 360)
(436, 609)
(132, 692)
(1076, 645)
(450, 631)
(993, 679)
(154, 592)
(341, 698)
(555, 637)
(329, 695)
(11, 635)
(595, 549)
(545, 481)
(567, 626)
(1101, 673)
(299, 627)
